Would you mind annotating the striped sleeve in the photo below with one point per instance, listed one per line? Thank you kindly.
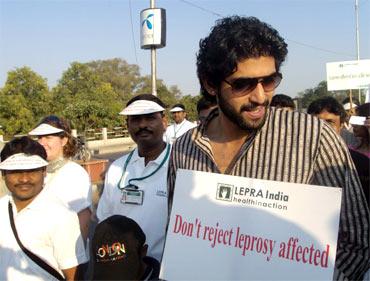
(334, 167)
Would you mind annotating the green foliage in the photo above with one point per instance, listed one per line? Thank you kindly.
(123, 77)
(190, 103)
(88, 102)
(90, 95)
(24, 100)
(320, 91)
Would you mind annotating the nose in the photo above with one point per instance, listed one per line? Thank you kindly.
(258, 95)
(23, 177)
(142, 123)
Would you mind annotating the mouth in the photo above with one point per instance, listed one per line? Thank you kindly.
(143, 133)
(24, 187)
(256, 113)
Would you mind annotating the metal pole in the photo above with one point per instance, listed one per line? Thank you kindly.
(357, 43)
(153, 62)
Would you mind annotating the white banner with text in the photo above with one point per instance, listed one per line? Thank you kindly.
(234, 228)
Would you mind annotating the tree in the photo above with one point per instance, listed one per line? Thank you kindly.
(24, 100)
(87, 101)
(190, 103)
(309, 95)
(123, 77)
(15, 117)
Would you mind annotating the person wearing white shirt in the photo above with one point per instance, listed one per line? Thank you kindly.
(136, 184)
(34, 222)
(65, 179)
(181, 125)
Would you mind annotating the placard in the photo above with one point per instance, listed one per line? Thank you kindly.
(234, 228)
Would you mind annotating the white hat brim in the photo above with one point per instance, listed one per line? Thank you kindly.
(176, 109)
(45, 129)
(347, 106)
(21, 161)
(357, 120)
(141, 107)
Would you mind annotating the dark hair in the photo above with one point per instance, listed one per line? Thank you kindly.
(70, 149)
(118, 226)
(363, 110)
(204, 103)
(24, 145)
(232, 40)
(281, 100)
(329, 104)
(148, 97)
(179, 105)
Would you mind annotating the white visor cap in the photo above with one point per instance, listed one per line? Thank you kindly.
(141, 107)
(347, 106)
(21, 161)
(176, 109)
(45, 129)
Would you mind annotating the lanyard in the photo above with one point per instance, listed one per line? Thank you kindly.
(176, 131)
(168, 148)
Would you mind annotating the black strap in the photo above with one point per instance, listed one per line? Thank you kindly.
(31, 255)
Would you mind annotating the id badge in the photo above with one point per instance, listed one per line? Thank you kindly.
(132, 196)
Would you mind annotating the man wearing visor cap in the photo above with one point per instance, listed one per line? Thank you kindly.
(181, 125)
(136, 184)
(40, 239)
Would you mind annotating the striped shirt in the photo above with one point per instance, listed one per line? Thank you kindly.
(298, 148)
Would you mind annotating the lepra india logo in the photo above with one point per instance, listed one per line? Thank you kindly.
(224, 192)
(149, 25)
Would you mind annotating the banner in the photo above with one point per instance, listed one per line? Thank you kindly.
(346, 75)
(234, 228)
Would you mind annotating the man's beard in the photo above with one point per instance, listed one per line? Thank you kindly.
(237, 118)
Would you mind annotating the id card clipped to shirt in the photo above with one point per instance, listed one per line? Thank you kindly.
(132, 195)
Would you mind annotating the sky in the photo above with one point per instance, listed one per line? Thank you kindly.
(48, 35)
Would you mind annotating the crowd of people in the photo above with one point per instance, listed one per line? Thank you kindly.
(46, 215)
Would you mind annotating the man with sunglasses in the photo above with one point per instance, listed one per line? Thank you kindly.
(136, 184)
(238, 65)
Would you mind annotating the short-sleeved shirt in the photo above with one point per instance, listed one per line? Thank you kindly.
(291, 147)
(176, 130)
(71, 184)
(45, 227)
(152, 214)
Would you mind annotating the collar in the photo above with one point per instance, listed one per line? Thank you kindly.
(32, 205)
(56, 165)
(182, 123)
(136, 157)
(202, 141)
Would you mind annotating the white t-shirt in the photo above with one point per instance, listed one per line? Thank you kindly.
(176, 130)
(45, 227)
(152, 214)
(71, 184)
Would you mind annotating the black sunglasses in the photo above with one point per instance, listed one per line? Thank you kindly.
(243, 86)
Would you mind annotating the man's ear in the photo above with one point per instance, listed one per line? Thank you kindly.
(210, 90)
(144, 250)
(127, 123)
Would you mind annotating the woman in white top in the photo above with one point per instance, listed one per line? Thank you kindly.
(65, 178)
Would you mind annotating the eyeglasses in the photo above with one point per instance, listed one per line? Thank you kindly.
(243, 86)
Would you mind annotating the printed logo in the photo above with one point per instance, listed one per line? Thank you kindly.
(161, 193)
(149, 25)
(224, 192)
(113, 252)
